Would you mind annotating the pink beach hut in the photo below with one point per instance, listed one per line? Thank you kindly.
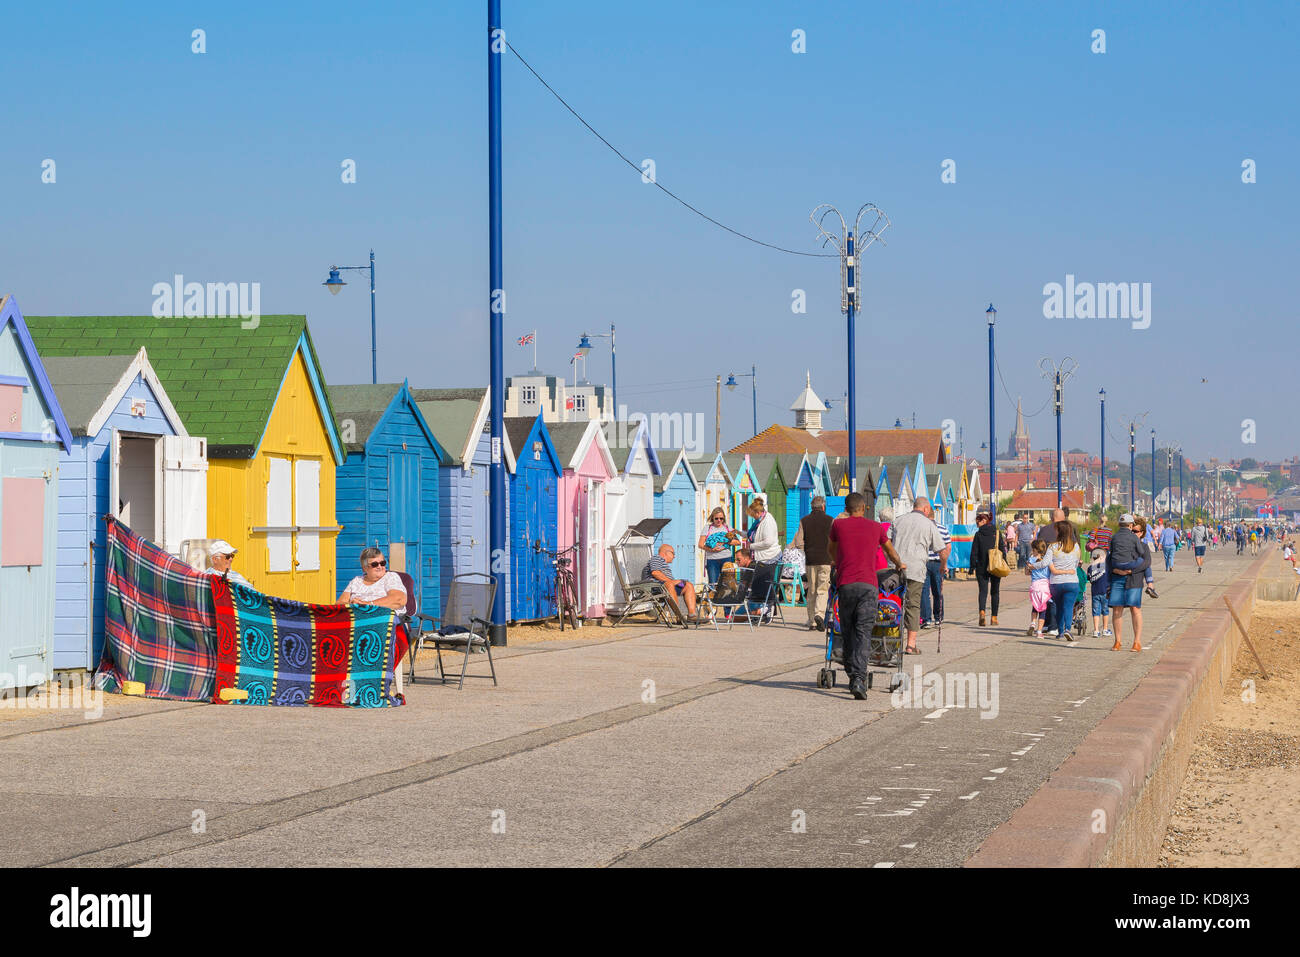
(587, 467)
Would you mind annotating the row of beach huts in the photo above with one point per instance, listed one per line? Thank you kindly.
(191, 430)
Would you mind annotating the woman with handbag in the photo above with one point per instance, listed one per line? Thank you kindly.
(988, 562)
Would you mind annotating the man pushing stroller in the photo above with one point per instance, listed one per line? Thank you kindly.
(855, 542)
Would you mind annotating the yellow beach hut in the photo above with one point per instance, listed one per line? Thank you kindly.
(257, 394)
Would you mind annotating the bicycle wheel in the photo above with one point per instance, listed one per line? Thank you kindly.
(561, 598)
(571, 601)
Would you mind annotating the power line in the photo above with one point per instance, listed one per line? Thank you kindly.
(641, 172)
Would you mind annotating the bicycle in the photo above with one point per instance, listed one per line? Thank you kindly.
(565, 584)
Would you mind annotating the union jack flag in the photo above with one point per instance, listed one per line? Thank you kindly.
(527, 340)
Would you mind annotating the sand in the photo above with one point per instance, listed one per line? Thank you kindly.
(1240, 801)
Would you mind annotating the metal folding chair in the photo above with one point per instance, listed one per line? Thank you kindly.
(463, 626)
(631, 555)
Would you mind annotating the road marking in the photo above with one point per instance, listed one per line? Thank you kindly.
(937, 714)
(936, 790)
(990, 779)
(908, 846)
(967, 797)
(1021, 751)
(996, 770)
(883, 864)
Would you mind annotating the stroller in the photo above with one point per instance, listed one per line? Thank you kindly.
(885, 647)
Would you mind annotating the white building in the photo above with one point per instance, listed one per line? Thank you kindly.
(556, 400)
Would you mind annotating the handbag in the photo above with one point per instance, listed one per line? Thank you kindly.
(998, 567)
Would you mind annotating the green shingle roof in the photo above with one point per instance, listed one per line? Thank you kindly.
(364, 406)
(82, 383)
(223, 379)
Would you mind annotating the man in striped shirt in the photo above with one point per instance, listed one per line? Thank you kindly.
(935, 570)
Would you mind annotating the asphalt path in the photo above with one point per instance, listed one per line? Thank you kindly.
(646, 747)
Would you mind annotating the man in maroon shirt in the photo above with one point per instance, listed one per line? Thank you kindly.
(855, 541)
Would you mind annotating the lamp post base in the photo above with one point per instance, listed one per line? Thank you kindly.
(497, 635)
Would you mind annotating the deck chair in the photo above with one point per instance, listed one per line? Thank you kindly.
(463, 626)
(649, 595)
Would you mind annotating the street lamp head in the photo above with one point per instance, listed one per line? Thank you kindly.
(334, 283)
(731, 383)
(584, 346)
(991, 313)
(1102, 393)
(898, 423)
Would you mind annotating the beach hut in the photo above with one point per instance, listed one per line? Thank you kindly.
(255, 391)
(587, 467)
(387, 492)
(714, 484)
(675, 493)
(533, 519)
(34, 446)
(745, 486)
(458, 420)
(774, 487)
(630, 497)
(821, 474)
(883, 490)
(131, 458)
(799, 494)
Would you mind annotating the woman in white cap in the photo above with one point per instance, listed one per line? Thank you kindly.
(221, 555)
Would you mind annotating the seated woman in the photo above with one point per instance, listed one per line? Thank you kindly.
(376, 585)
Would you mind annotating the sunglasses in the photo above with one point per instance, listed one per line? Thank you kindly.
(379, 564)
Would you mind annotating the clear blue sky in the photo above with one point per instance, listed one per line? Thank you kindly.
(1117, 167)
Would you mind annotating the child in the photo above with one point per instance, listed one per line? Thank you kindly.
(1099, 576)
(1288, 555)
(1040, 593)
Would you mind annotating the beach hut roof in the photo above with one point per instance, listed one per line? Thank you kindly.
(675, 458)
(572, 440)
(11, 314)
(517, 430)
(366, 406)
(456, 417)
(625, 448)
(223, 378)
(90, 387)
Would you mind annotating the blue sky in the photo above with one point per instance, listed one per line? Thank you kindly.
(1115, 167)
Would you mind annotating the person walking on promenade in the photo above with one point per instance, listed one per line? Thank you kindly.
(1129, 559)
(1024, 535)
(853, 542)
(1063, 557)
(932, 587)
(814, 538)
(1038, 569)
(765, 548)
(1200, 537)
(915, 537)
(1099, 551)
(1240, 534)
(1143, 532)
(986, 539)
(1168, 543)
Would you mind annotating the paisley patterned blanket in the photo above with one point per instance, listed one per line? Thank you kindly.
(284, 652)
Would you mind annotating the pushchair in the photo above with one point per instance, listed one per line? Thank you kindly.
(885, 646)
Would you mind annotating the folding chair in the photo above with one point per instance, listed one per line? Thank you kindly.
(463, 626)
(649, 595)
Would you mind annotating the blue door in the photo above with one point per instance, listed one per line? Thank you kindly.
(404, 510)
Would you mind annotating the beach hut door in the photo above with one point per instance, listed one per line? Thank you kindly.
(593, 561)
(184, 471)
(404, 508)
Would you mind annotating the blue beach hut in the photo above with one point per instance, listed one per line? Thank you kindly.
(675, 494)
(34, 445)
(458, 419)
(387, 490)
(534, 482)
(131, 458)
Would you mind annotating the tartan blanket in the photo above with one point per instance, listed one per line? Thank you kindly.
(160, 627)
(285, 652)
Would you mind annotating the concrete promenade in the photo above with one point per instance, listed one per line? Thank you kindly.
(739, 759)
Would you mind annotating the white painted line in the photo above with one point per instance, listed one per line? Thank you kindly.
(937, 714)
(967, 797)
(1021, 751)
(909, 765)
(908, 846)
(1029, 734)
(912, 789)
(989, 779)
(996, 770)
(883, 864)
(917, 803)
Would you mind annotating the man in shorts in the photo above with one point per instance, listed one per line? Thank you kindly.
(1200, 538)
(660, 568)
(915, 537)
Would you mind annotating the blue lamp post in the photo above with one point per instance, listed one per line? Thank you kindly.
(1132, 467)
(334, 283)
(992, 315)
(1153, 475)
(496, 309)
(1102, 496)
(1180, 488)
(753, 374)
(584, 349)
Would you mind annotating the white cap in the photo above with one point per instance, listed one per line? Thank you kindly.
(221, 547)
(1126, 518)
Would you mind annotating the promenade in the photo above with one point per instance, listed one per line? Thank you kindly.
(636, 747)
